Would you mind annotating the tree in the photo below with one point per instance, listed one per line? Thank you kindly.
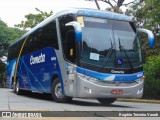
(2, 74)
(33, 19)
(96, 2)
(114, 4)
(151, 12)
(3, 38)
(7, 36)
(152, 77)
(146, 14)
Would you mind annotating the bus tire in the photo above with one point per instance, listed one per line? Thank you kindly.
(18, 91)
(12, 84)
(106, 101)
(56, 92)
(14, 87)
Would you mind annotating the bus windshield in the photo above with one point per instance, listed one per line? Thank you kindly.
(110, 43)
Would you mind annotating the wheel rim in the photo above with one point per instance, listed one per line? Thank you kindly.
(58, 91)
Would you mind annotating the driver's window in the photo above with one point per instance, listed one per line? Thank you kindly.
(68, 37)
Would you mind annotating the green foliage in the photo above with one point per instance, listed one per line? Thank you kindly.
(2, 74)
(33, 19)
(152, 67)
(146, 14)
(151, 12)
(7, 36)
(152, 77)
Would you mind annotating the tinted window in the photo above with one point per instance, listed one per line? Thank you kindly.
(13, 50)
(44, 37)
(68, 37)
(48, 36)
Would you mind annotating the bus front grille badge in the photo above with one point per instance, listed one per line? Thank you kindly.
(117, 83)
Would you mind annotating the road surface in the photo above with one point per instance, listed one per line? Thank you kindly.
(9, 101)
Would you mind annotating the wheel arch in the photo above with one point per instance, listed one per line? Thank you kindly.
(56, 75)
(12, 81)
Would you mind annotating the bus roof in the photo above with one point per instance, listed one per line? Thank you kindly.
(96, 13)
(103, 14)
(79, 12)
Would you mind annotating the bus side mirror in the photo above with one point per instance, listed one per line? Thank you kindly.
(78, 29)
(151, 40)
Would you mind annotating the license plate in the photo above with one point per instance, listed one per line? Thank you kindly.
(118, 92)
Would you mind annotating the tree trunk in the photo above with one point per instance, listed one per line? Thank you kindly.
(97, 4)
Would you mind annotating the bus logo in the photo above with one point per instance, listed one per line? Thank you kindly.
(37, 59)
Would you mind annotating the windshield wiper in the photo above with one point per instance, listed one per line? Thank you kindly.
(108, 55)
(125, 53)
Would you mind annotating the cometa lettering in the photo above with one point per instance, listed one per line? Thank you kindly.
(37, 59)
(119, 72)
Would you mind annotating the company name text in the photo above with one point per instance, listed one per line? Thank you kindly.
(37, 59)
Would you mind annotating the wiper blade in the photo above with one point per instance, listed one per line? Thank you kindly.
(126, 55)
(108, 55)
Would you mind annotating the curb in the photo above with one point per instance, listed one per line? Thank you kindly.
(139, 100)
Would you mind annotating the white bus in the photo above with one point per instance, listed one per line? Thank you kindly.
(81, 53)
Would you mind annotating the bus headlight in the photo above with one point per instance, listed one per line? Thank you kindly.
(87, 78)
(140, 80)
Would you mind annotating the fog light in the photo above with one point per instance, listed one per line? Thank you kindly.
(88, 90)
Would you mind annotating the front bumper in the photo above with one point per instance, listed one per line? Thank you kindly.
(89, 89)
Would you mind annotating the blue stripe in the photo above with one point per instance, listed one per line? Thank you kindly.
(78, 36)
(116, 77)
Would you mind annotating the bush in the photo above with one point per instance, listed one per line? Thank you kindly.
(152, 78)
(2, 74)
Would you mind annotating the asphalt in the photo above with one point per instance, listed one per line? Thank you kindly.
(134, 100)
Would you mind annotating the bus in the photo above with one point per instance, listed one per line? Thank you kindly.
(81, 53)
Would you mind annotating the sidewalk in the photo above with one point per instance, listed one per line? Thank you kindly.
(139, 100)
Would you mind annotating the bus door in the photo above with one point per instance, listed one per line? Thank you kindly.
(69, 54)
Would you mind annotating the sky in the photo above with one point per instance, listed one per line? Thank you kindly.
(13, 11)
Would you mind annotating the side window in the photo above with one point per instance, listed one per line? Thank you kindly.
(49, 35)
(45, 37)
(30, 45)
(27, 47)
(14, 50)
(68, 38)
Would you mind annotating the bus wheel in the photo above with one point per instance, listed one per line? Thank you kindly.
(14, 87)
(12, 84)
(56, 92)
(106, 101)
(18, 91)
